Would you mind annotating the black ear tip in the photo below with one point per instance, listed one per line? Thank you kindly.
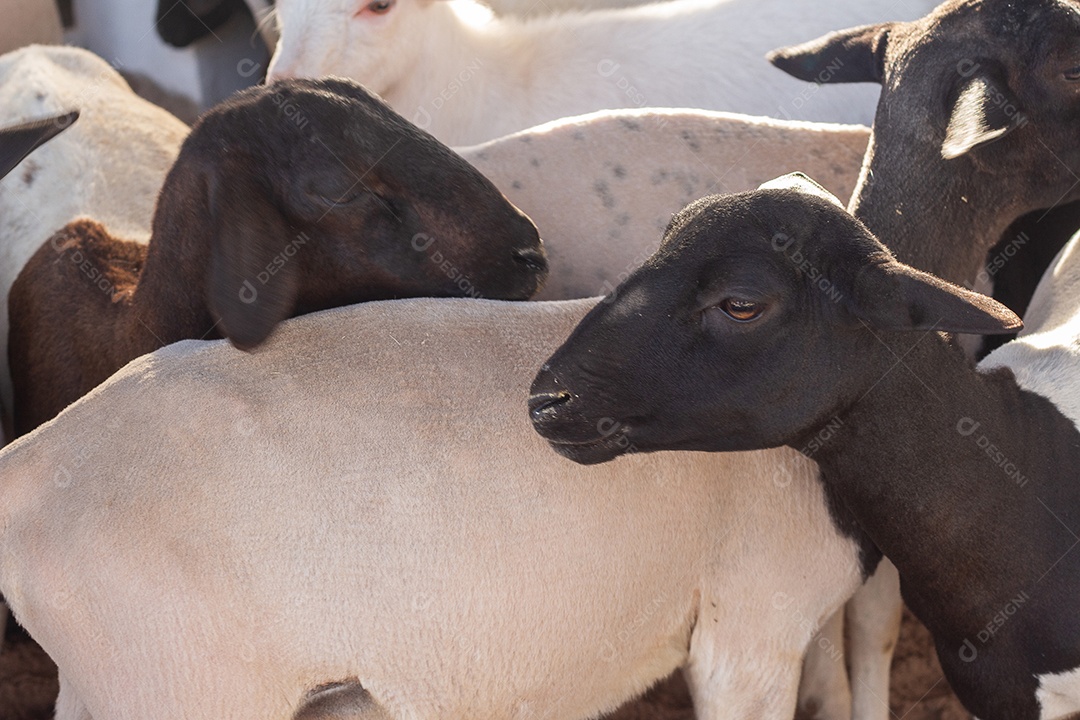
(794, 63)
(780, 58)
(247, 339)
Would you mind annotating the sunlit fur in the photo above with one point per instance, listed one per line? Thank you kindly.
(469, 83)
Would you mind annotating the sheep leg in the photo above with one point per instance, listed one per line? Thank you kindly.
(874, 616)
(68, 705)
(761, 684)
(824, 690)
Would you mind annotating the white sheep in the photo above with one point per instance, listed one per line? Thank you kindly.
(602, 187)
(467, 83)
(109, 165)
(393, 518)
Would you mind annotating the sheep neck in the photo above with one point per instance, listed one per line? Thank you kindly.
(169, 301)
(940, 222)
(964, 480)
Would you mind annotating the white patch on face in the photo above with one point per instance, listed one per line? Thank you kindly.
(1059, 695)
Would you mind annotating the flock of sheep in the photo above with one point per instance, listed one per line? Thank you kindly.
(738, 414)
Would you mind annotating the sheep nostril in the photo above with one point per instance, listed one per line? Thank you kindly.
(533, 260)
(542, 405)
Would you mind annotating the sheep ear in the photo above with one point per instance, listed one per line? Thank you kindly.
(800, 182)
(848, 56)
(249, 291)
(985, 110)
(893, 296)
(18, 141)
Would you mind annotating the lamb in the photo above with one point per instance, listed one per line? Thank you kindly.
(973, 155)
(109, 165)
(470, 83)
(964, 478)
(381, 520)
(285, 200)
(602, 187)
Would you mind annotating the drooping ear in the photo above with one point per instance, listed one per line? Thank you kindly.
(800, 182)
(985, 110)
(847, 56)
(893, 296)
(253, 280)
(18, 141)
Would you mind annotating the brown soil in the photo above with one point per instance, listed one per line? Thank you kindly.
(919, 692)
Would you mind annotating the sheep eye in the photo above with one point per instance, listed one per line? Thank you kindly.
(343, 200)
(1072, 74)
(380, 7)
(742, 311)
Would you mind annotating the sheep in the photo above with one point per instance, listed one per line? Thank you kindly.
(383, 521)
(109, 166)
(470, 83)
(285, 200)
(28, 22)
(993, 144)
(602, 187)
(963, 477)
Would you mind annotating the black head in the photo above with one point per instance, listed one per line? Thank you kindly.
(318, 195)
(739, 333)
(18, 141)
(979, 98)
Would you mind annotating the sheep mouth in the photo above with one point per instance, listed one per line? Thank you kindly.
(594, 451)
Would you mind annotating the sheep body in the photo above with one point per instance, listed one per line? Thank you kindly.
(603, 186)
(408, 532)
(470, 83)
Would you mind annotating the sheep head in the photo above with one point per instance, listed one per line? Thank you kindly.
(977, 120)
(313, 194)
(739, 332)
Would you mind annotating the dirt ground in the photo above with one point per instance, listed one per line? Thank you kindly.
(919, 692)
